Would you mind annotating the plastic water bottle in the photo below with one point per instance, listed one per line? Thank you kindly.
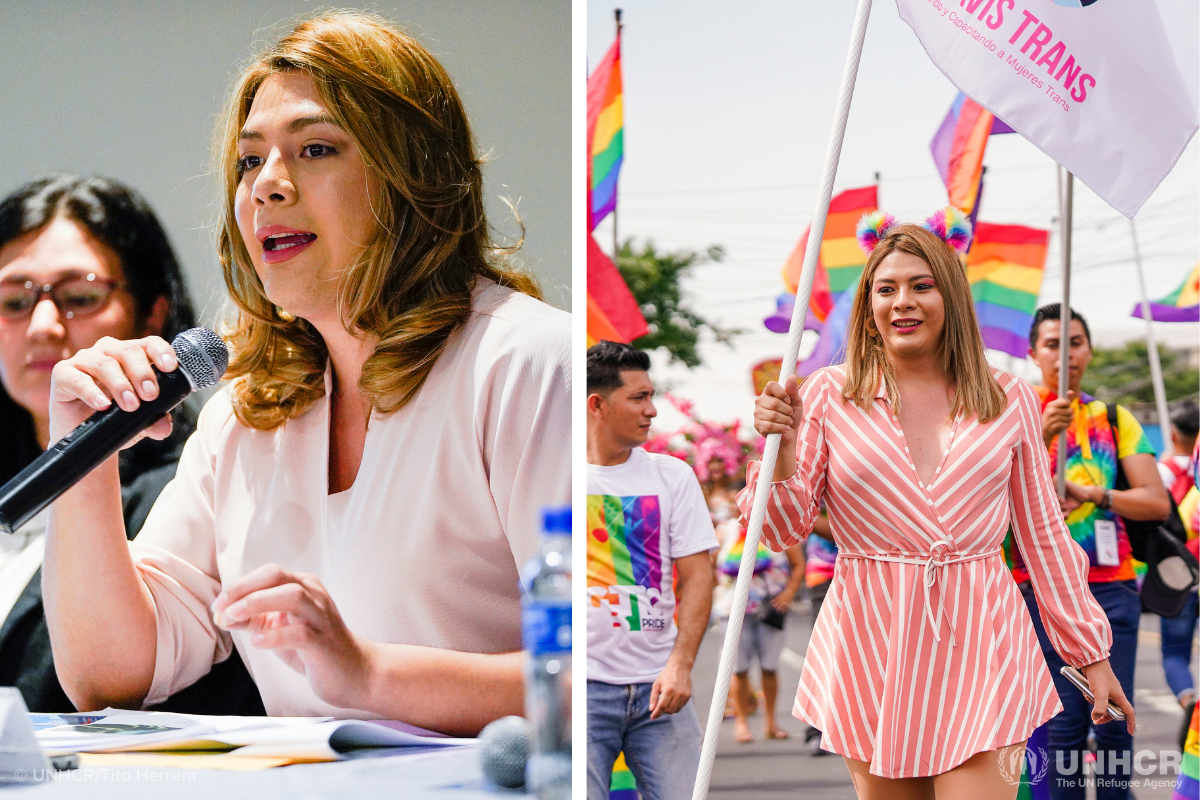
(546, 629)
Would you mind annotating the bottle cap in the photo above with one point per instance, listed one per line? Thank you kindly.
(556, 519)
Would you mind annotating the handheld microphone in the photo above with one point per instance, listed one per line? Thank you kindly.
(202, 360)
(504, 751)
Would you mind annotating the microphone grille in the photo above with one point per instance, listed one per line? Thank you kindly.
(202, 355)
(504, 751)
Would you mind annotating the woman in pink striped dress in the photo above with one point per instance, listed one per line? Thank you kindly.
(923, 670)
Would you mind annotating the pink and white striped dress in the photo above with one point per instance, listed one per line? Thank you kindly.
(924, 654)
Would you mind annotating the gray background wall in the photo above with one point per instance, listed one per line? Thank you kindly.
(133, 91)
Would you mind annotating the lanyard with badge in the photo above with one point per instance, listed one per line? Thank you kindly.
(1107, 552)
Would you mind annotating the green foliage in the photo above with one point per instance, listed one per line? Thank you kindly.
(653, 278)
(1124, 375)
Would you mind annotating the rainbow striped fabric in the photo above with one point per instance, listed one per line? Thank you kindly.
(821, 556)
(1004, 266)
(605, 135)
(1035, 780)
(1181, 305)
(622, 786)
(1092, 455)
(958, 148)
(624, 541)
(840, 263)
(1188, 785)
(732, 558)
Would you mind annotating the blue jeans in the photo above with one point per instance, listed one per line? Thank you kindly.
(663, 754)
(1067, 732)
(1177, 634)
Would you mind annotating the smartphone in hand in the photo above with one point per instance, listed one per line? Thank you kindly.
(1076, 677)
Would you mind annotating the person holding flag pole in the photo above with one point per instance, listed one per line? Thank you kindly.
(984, 425)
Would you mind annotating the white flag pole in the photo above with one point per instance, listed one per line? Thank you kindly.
(1160, 391)
(812, 251)
(1064, 327)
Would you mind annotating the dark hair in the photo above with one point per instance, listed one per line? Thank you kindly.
(606, 359)
(1054, 311)
(118, 217)
(121, 219)
(1186, 418)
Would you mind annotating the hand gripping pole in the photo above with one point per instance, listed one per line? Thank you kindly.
(812, 251)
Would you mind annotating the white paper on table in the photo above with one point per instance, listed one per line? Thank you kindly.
(151, 730)
(318, 738)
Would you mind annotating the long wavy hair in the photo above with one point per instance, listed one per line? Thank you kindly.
(961, 351)
(411, 286)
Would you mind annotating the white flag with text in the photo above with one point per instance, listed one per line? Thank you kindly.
(1107, 88)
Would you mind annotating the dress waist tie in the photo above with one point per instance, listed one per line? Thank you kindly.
(932, 573)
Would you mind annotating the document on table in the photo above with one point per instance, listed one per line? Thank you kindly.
(294, 738)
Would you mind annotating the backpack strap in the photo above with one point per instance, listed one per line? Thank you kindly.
(1121, 482)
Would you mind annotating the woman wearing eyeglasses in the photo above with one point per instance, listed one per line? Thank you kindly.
(81, 259)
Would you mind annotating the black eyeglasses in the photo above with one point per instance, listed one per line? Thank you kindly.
(75, 296)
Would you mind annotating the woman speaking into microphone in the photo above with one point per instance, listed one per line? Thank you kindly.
(352, 509)
(924, 671)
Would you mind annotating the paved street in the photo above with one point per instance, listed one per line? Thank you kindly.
(774, 770)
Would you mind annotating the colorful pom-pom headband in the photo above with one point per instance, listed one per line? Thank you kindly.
(949, 224)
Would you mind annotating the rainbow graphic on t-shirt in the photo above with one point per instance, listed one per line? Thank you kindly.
(624, 536)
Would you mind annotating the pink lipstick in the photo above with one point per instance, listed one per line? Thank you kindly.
(280, 242)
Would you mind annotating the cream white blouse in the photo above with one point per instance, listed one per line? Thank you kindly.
(423, 549)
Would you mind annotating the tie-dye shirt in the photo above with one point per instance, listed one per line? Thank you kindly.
(641, 516)
(771, 570)
(1092, 461)
(822, 555)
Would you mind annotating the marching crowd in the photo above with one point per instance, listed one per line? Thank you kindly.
(1127, 509)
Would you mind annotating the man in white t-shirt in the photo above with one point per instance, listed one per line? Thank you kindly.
(645, 515)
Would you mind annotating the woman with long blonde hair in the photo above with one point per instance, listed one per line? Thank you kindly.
(923, 670)
(352, 510)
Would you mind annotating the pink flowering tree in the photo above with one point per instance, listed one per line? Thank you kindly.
(717, 452)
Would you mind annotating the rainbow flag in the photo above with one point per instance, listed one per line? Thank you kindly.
(1181, 305)
(1035, 782)
(612, 311)
(958, 148)
(605, 134)
(840, 263)
(622, 786)
(1004, 267)
(598, 325)
(1187, 787)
